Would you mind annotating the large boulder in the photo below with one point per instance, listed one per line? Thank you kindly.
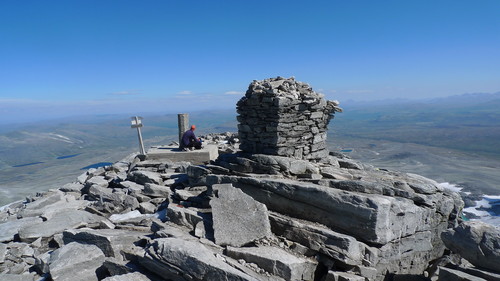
(76, 262)
(10, 228)
(134, 276)
(57, 224)
(143, 177)
(177, 259)
(276, 261)
(448, 274)
(237, 218)
(370, 218)
(340, 247)
(156, 191)
(110, 241)
(477, 242)
(183, 216)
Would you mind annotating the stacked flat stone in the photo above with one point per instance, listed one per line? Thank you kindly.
(284, 117)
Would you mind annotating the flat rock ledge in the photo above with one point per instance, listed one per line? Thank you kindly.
(245, 217)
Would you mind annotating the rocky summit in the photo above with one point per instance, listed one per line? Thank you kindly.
(245, 216)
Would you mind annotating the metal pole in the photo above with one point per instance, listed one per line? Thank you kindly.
(136, 123)
(139, 134)
(183, 123)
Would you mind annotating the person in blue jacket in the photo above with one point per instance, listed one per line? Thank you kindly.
(189, 140)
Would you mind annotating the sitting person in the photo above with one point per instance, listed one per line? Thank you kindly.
(189, 140)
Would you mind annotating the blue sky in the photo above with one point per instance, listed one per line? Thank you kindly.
(60, 58)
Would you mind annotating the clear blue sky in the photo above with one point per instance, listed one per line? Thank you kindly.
(89, 57)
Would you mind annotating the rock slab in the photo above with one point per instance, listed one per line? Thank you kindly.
(237, 218)
(178, 259)
(477, 242)
(276, 261)
(76, 262)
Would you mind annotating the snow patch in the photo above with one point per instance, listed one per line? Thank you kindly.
(162, 215)
(450, 186)
(60, 138)
(481, 209)
(123, 217)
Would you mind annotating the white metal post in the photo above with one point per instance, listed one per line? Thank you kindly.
(137, 123)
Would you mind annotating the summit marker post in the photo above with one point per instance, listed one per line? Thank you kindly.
(137, 123)
(183, 123)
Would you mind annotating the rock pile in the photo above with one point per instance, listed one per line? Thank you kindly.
(244, 217)
(284, 117)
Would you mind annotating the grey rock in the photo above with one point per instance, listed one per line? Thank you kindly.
(488, 275)
(20, 250)
(33, 208)
(110, 241)
(57, 224)
(68, 203)
(369, 273)
(300, 167)
(19, 277)
(407, 255)
(185, 195)
(155, 190)
(183, 216)
(72, 187)
(143, 177)
(131, 186)
(147, 208)
(97, 180)
(9, 229)
(358, 186)
(284, 165)
(75, 262)
(98, 192)
(42, 262)
(349, 164)
(119, 267)
(340, 247)
(178, 259)
(476, 242)
(448, 274)
(199, 230)
(423, 185)
(119, 201)
(197, 172)
(334, 173)
(237, 218)
(134, 276)
(342, 276)
(83, 178)
(374, 219)
(106, 224)
(276, 261)
(170, 230)
(3, 252)
(57, 239)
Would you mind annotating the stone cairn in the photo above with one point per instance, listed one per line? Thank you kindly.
(284, 117)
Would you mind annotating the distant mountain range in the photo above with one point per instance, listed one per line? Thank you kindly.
(462, 99)
(469, 122)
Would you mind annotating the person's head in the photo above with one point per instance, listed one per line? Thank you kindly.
(193, 127)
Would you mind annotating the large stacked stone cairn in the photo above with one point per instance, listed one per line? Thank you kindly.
(284, 117)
